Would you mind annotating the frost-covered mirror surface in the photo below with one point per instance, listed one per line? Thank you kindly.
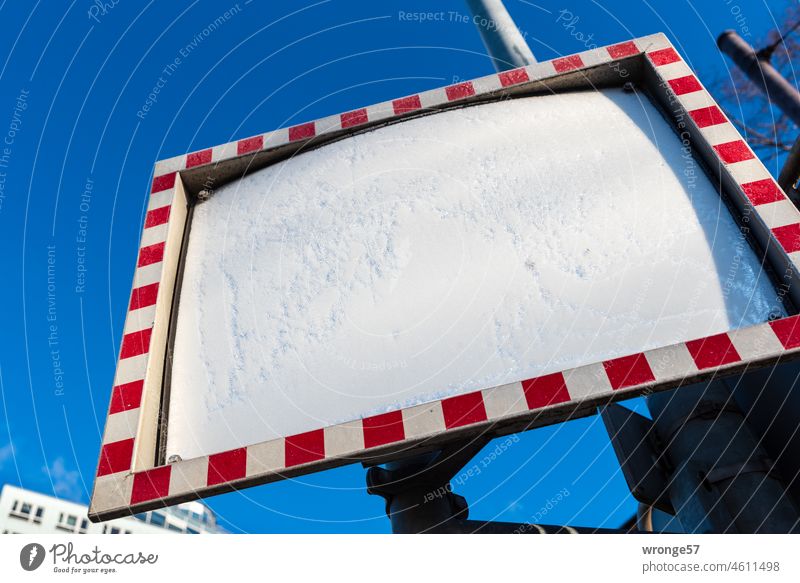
(446, 254)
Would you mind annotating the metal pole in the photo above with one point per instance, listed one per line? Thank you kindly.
(721, 479)
(759, 70)
(504, 42)
(778, 90)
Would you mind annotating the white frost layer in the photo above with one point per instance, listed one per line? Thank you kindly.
(446, 254)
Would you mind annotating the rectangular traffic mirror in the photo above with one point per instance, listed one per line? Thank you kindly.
(488, 257)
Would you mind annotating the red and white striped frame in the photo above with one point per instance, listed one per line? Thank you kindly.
(127, 480)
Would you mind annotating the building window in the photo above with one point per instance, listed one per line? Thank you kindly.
(171, 526)
(157, 519)
(67, 522)
(39, 513)
(142, 517)
(21, 510)
(190, 530)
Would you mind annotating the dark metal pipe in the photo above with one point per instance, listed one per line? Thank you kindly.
(503, 41)
(777, 89)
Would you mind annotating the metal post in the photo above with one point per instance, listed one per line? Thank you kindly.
(721, 479)
(504, 42)
(778, 90)
(419, 497)
(759, 70)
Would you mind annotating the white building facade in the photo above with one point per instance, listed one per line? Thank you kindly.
(27, 512)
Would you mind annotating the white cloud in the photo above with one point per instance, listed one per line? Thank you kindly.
(6, 454)
(66, 482)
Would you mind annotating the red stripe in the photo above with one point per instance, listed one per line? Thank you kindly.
(383, 429)
(463, 410)
(144, 296)
(163, 182)
(788, 236)
(126, 397)
(732, 152)
(249, 145)
(682, 85)
(628, 371)
(707, 116)
(762, 191)
(198, 158)
(788, 331)
(459, 91)
(570, 63)
(135, 343)
(115, 457)
(545, 390)
(151, 254)
(304, 448)
(625, 49)
(713, 351)
(406, 104)
(354, 118)
(513, 77)
(150, 484)
(157, 217)
(664, 57)
(227, 466)
(302, 132)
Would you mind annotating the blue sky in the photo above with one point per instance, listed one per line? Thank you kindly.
(72, 80)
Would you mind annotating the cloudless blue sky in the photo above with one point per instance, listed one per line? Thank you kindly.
(274, 63)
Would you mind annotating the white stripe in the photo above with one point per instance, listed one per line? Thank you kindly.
(671, 362)
(188, 476)
(696, 100)
(778, 214)
(433, 97)
(153, 235)
(174, 164)
(161, 198)
(344, 439)
(121, 426)
(276, 138)
(488, 84)
(380, 111)
(674, 70)
(147, 274)
(595, 57)
(755, 342)
(748, 171)
(652, 42)
(224, 152)
(111, 492)
(504, 400)
(587, 381)
(720, 133)
(140, 319)
(131, 369)
(423, 420)
(332, 123)
(266, 457)
(540, 70)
